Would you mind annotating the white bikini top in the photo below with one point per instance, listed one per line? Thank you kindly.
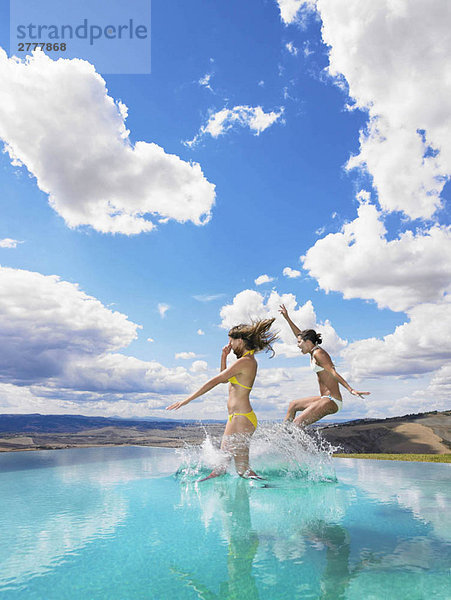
(315, 367)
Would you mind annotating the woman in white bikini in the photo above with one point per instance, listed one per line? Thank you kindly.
(244, 340)
(330, 400)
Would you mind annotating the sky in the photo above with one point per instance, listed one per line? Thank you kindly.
(294, 151)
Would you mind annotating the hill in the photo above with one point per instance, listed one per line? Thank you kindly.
(423, 433)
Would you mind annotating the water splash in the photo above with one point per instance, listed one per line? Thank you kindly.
(279, 452)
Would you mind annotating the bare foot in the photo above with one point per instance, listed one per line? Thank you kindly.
(250, 474)
(211, 476)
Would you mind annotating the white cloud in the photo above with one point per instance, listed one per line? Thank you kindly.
(360, 263)
(44, 321)
(395, 58)
(291, 273)
(421, 345)
(433, 397)
(163, 309)
(263, 279)
(199, 366)
(205, 81)
(249, 305)
(118, 374)
(222, 121)
(291, 48)
(291, 10)
(150, 340)
(208, 297)
(185, 355)
(57, 119)
(63, 343)
(9, 243)
(200, 332)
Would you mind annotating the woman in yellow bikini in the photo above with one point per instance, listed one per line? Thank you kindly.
(244, 341)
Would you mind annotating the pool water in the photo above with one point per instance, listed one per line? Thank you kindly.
(118, 523)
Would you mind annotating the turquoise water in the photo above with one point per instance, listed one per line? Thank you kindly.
(117, 523)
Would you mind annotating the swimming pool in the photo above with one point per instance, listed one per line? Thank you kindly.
(115, 523)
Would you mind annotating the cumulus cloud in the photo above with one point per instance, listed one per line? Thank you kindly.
(436, 395)
(200, 332)
(9, 243)
(291, 10)
(360, 262)
(57, 119)
(43, 321)
(291, 273)
(150, 340)
(376, 55)
(199, 366)
(185, 355)
(249, 305)
(421, 345)
(116, 373)
(55, 337)
(163, 309)
(253, 117)
(263, 279)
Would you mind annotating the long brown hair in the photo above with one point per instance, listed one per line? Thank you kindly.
(256, 336)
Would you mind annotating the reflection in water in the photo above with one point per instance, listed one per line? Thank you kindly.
(59, 501)
(423, 488)
(337, 572)
(117, 529)
(314, 528)
(283, 521)
(233, 506)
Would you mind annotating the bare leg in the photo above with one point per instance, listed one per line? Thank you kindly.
(316, 411)
(240, 453)
(235, 443)
(301, 404)
(221, 469)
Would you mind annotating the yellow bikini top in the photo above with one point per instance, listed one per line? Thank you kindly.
(233, 379)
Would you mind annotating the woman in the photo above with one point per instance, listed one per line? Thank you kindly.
(244, 341)
(330, 400)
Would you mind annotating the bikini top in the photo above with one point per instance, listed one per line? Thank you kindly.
(315, 367)
(233, 379)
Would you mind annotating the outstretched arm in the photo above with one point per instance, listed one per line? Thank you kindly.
(223, 377)
(294, 328)
(324, 361)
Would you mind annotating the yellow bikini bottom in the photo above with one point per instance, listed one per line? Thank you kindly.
(251, 416)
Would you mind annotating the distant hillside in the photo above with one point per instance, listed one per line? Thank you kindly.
(36, 423)
(422, 433)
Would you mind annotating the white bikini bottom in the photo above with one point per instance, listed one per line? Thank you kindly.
(339, 403)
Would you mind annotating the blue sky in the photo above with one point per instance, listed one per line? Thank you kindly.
(374, 237)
